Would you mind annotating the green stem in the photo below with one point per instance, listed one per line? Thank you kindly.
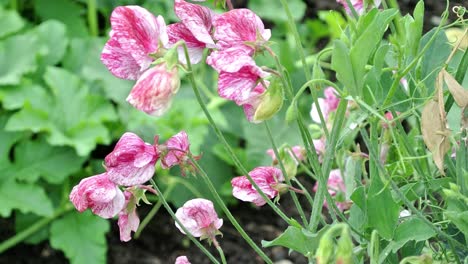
(228, 213)
(286, 176)
(297, 39)
(226, 145)
(19, 237)
(220, 251)
(187, 233)
(92, 18)
(153, 212)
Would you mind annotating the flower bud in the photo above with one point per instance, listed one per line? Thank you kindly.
(271, 102)
(344, 252)
(324, 252)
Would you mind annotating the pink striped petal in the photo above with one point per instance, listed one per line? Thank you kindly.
(238, 86)
(177, 149)
(230, 60)
(252, 103)
(154, 90)
(198, 19)
(199, 218)
(179, 31)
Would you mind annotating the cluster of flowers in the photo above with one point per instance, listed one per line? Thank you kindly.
(141, 47)
(130, 165)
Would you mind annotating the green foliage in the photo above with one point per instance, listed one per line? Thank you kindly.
(25, 197)
(81, 236)
(297, 239)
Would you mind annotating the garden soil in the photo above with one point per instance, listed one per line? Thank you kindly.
(161, 242)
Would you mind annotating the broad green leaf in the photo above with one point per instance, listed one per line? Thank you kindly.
(27, 198)
(370, 36)
(341, 64)
(17, 57)
(23, 221)
(73, 118)
(53, 38)
(38, 158)
(460, 220)
(81, 236)
(14, 97)
(84, 59)
(10, 22)
(267, 9)
(414, 29)
(382, 210)
(413, 229)
(66, 11)
(297, 239)
(7, 139)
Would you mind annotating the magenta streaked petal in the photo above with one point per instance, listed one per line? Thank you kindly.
(177, 149)
(154, 90)
(231, 59)
(198, 19)
(254, 100)
(119, 62)
(199, 218)
(238, 86)
(179, 31)
(128, 222)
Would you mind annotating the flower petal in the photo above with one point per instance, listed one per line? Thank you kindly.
(197, 18)
(179, 31)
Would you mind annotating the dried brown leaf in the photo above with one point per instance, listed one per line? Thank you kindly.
(458, 92)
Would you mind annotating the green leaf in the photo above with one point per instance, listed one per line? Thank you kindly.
(267, 9)
(297, 239)
(83, 59)
(8, 139)
(460, 220)
(14, 97)
(24, 221)
(341, 64)
(72, 118)
(414, 29)
(81, 237)
(17, 57)
(38, 158)
(382, 210)
(24, 197)
(54, 41)
(10, 22)
(66, 11)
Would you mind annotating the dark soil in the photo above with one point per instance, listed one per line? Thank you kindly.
(161, 242)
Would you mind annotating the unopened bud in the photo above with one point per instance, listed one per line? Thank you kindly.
(344, 252)
(291, 113)
(271, 102)
(324, 252)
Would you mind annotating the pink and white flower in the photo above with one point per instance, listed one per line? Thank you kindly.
(298, 154)
(98, 193)
(320, 146)
(128, 218)
(358, 5)
(240, 27)
(132, 161)
(182, 260)
(267, 178)
(177, 32)
(337, 189)
(135, 34)
(176, 150)
(154, 90)
(199, 217)
(327, 105)
(196, 18)
(253, 102)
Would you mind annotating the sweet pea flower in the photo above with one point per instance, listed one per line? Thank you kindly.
(135, 35)
(176, 150)
(182, 260)
(298, 154)
(179, 31)
(240, 28)
(154, 90)
(327, 105)
(336, 188)
(199, 217)
(128, 218)
(132, 161)
(98, 193)
(358, 5)
(253, 102)
(267, 178)
(320, 146)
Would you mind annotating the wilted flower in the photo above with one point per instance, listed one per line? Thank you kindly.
(128, 218)
(240, 28)
(132, 161)
(267, 178)
(182, 260)
(199, 217)
(154, 90)
(135, 34)
(98, 193)
(176, 151)
(337, 189)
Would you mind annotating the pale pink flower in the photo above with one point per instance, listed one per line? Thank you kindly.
(182, 260)
(132, 161)
(327, 105)
(336, 188)
(177, 149)
(128, 218)
(196, 18)
(252, 103)
(358, 5)
(230, 60)
(154, 90)
(239, 26)
(179, 31)
(265, 177)
(320, 146)
(135, 34)
(297, 152)
(98, 193)
(199, 217)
